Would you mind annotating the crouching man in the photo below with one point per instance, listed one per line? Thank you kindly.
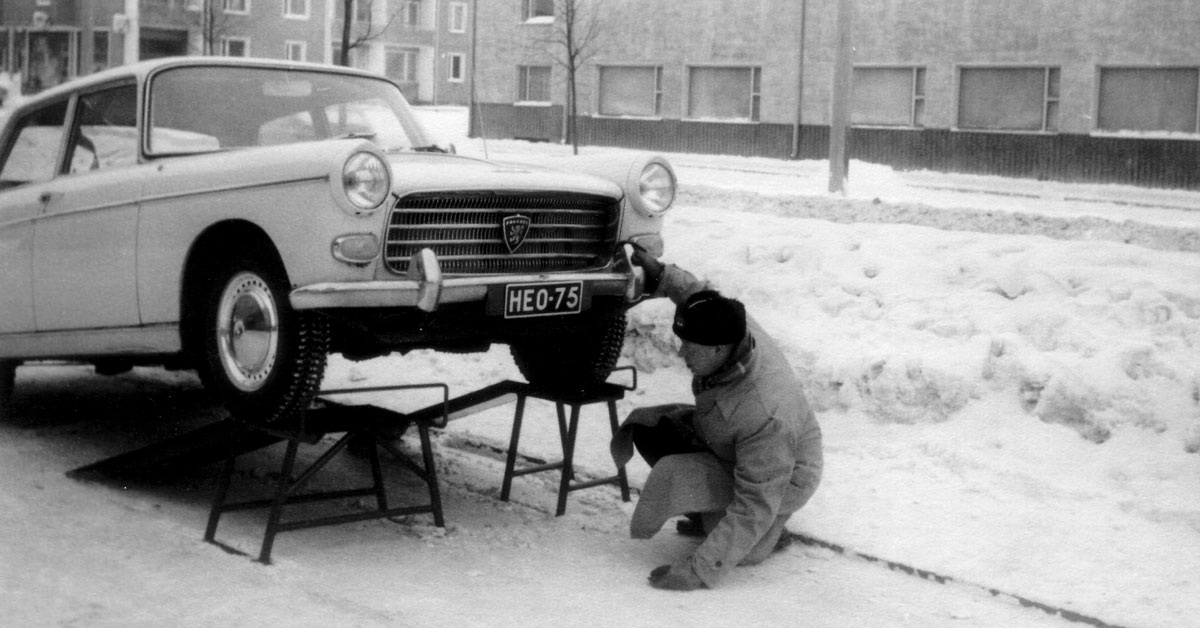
(741, 460)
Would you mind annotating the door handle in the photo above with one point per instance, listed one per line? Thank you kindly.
(48, 197)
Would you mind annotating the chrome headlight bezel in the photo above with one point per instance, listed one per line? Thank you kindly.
(654, 188)
(366, 181)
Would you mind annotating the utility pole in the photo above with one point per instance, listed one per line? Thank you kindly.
(839, 117)
(133, 32)
(799, 81)
(87, 38)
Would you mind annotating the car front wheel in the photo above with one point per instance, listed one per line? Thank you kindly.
(8, 380)
(263, 360)
(575, 359)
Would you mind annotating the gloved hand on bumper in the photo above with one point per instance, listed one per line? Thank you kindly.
(678, 577)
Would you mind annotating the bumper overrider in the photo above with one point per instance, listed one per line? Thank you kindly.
(424, 287)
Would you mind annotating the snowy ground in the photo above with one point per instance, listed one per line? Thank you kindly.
(1009, 391)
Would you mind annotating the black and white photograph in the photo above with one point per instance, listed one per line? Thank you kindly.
(578, 313)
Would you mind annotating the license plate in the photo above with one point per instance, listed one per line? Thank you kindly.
(523, 300)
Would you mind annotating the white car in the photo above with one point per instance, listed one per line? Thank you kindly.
(245, 218)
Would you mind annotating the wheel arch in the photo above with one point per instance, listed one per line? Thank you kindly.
(218, 239)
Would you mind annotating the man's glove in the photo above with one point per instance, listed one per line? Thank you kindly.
(681, 577)
(653, 267)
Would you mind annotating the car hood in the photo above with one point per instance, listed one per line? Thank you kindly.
(435, 172)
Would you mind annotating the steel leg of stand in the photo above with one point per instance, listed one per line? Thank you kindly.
(214, 515)
(435, 494)
(376, 470)
(568, 468)
(281, 494)
(622, 479)
(511, 462)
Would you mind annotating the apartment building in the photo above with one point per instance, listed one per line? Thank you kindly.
(1103, 90)
(421, 44)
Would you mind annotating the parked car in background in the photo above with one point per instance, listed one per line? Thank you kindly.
(247, 217)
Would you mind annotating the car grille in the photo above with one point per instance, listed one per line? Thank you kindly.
(566, 231)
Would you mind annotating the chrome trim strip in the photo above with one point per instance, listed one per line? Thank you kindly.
(230, 188)
(405, 292)
(148, 339)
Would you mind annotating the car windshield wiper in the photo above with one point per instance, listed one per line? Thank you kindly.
(359, 135)
(432, 148)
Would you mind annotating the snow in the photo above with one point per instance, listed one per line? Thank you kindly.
(1005, 371)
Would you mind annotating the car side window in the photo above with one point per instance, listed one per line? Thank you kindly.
(105, 130)
(33, 153)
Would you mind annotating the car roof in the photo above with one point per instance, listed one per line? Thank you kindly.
(142, 69)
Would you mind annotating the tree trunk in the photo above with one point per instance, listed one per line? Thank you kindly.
(347, 16)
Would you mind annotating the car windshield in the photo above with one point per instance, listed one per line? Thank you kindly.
(205, 109)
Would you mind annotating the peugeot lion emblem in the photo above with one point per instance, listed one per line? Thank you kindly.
(515, 228)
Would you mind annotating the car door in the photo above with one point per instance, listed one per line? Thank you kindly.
(84, 259)
(30, 160)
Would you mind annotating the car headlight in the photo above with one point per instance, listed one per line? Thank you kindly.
(656, 186)
(366, 180)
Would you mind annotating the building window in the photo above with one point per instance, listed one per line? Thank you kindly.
(235, 46)
(458, 17)
(402, 64)
(237, 6)
(1148, 99)
(533, 83)
(724, 93)
(296, 9)
(296, 50)
(1008, 99)
(457, 67)
(888, 96)
(630, 91)
(362, 10)
(410, 13)
(539, 10)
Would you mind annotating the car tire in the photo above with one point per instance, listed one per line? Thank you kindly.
(572, 360)
(8, 380)
(263, 360)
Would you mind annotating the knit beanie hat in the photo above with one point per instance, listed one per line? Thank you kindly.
(707, 318)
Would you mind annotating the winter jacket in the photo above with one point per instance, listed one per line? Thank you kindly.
(757, 426)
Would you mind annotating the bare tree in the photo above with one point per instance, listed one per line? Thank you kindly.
(572, 40)
(357, 33)
(214, 24)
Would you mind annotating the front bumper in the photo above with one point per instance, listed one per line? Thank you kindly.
(425, 287)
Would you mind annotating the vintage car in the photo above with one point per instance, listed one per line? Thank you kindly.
(246, 218)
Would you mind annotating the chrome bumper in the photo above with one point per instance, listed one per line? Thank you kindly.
(425, 287)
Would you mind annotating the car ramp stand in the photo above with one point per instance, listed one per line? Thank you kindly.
(606, 393)
(362, 424)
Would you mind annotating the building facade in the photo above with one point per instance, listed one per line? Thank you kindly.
(1104, 90)
(422, 44)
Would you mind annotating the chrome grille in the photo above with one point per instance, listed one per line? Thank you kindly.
(566, 231)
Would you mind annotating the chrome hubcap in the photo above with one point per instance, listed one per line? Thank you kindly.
(247, 331)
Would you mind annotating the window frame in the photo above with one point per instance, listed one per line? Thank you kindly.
(413, 56)
(530, 15)
(288, 45)
(410, 13)
(917, 91)
(74, 127)
(462, 67)
(523, 76)
(656, 89)
(1100, 68)
(754, 93)
(244, 10)
(458, 20)
(245, 41)
(1051, 96)
(287, 13)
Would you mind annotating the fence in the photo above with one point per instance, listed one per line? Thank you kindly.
(1148, 162)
